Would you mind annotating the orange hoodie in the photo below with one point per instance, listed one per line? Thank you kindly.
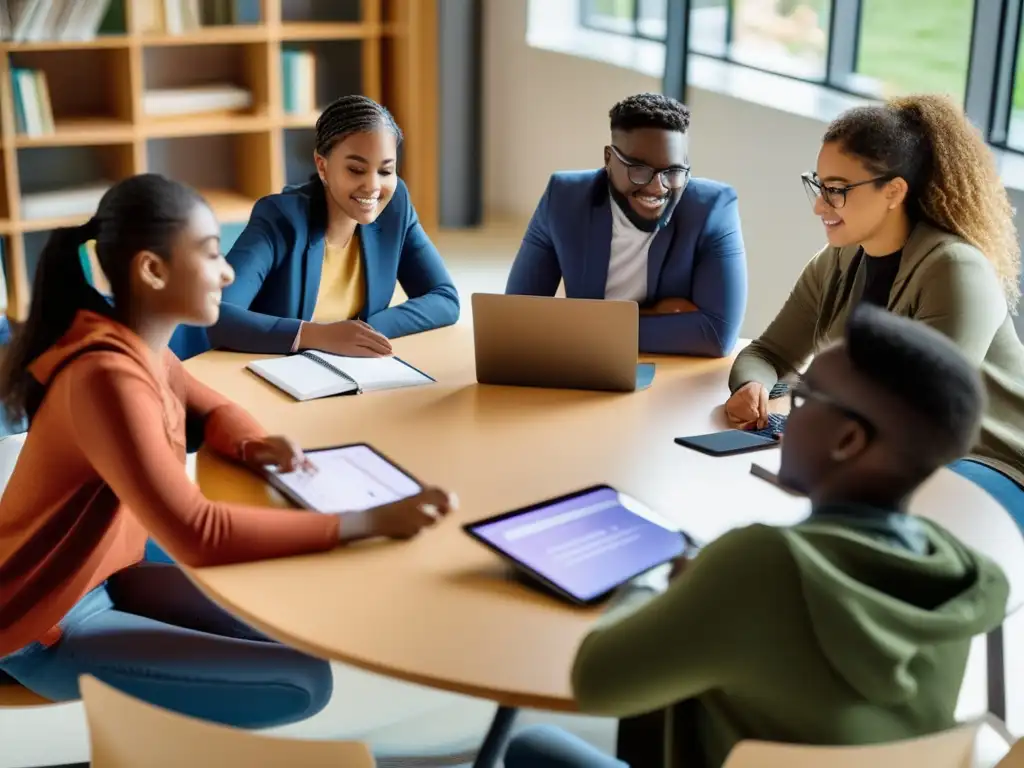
(102, 469)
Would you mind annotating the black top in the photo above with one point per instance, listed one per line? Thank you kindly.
(880, 274)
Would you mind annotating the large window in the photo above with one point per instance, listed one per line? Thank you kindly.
(972, 50)
(786, 36)
(913, 46)
(640, 18)
(1015, 134)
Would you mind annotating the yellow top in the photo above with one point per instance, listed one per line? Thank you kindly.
(342, 283)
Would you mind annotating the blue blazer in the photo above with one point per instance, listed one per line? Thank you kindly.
(698, 256)
(278, 259)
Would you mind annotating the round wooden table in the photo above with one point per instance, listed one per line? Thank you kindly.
(442, 610)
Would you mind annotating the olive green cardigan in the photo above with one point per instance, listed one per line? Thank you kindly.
(943, 282)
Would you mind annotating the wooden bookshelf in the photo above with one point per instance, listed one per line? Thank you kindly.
(386, 49)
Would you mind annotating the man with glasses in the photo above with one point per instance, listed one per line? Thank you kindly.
(852, 627)
(641, 229)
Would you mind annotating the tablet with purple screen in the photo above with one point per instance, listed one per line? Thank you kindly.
(582, 545)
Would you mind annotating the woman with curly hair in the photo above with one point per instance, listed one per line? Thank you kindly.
(918, 222)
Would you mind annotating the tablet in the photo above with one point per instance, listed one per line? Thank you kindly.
(583, 545)
(348, 478)
(729, 442)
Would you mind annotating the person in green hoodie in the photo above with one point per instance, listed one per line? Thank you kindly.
(851, 627)
(918, 222)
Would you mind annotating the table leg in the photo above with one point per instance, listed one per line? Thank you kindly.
(493, 748)
(995, 662)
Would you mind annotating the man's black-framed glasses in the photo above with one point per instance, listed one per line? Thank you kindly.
(641, 175)
(800, 393)
(834, 195)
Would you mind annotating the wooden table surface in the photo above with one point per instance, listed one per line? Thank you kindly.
(441, 610)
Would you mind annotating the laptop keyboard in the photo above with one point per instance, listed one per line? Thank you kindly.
(776, 425)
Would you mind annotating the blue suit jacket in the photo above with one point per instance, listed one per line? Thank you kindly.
(279, 256)
(698, 256)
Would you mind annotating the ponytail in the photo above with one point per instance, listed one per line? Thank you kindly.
(59, 291)
(962, 191)
(140, 213)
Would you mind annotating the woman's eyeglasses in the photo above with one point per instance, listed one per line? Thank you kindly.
(834, 195)
(642, 175)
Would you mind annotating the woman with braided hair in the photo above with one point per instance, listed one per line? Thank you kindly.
(317, 265)
(918, 222)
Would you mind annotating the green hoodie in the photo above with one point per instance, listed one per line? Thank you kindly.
(820, 634)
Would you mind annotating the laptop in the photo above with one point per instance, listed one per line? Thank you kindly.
(540, 341)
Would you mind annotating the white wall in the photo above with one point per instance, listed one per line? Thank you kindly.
(547, 111)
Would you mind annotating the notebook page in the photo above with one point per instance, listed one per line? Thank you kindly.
(349, 479)
(300, 377)
(375, 373)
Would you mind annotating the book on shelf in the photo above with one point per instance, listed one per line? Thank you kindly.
(33, 112)
(36, 20)
(79, 200)
(195, 100)
(3, 277)
(298, 80)
(179, 17)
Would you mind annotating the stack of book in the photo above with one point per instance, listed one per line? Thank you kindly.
(33, 113)
(223, 98)
(178, 17)
(3, 290)
(298, 81)
(79, 200)
(32, 20)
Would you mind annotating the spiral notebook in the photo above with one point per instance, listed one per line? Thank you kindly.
(311, 375)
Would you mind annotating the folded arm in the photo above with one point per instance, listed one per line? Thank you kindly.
(535, 271)
(118, 413)
(789, 339)
(719, 293)
(253, 257)
(433, 301)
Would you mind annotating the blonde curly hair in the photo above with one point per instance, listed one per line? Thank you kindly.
(951, 173)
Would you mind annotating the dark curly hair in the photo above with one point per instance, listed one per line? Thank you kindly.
(650, 110)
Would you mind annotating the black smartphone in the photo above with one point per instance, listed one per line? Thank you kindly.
(728, 443)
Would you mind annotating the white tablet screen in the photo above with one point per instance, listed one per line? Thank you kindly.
(347, 479)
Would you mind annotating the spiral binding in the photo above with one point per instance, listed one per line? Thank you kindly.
(320, 361)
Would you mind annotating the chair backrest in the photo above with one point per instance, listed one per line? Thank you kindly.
(954, 748)
(125, 733)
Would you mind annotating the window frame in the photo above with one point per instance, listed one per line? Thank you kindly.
(991, 70)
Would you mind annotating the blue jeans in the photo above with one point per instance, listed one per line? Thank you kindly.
(544, 746)
(1000, 487)
(151, 633)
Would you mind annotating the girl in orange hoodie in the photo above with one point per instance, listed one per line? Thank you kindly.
(102, 470)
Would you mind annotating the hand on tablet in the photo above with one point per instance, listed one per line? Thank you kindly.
(748, 407)
(401, 519)
(276, 451)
